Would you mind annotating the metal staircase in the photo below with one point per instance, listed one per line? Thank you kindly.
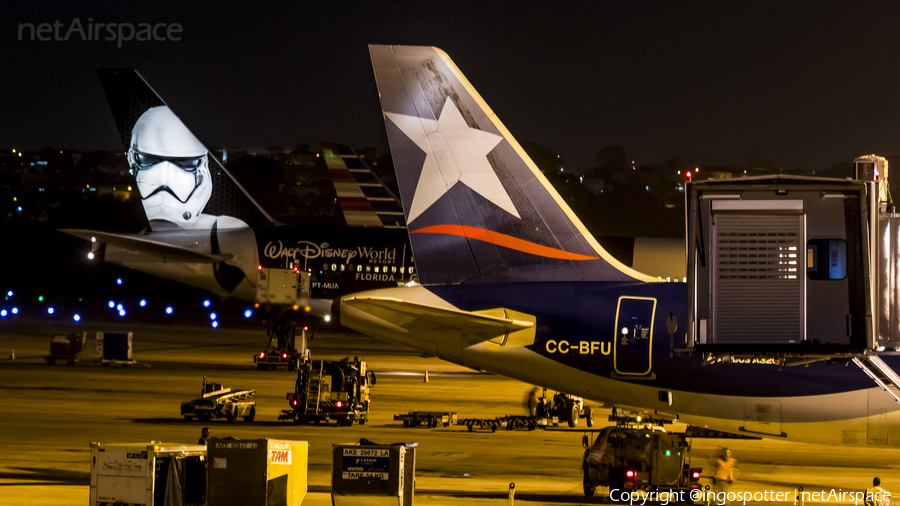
(312, 392)
(881, 374)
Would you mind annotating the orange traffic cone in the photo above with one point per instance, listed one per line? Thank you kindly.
(12, 354)
(426, 377)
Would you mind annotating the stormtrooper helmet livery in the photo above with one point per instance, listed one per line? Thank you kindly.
(170, 166)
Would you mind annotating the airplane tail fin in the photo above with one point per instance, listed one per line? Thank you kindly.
(179, 180)
(477, 208)
(365, 200)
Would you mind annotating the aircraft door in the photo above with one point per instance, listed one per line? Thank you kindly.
(883, 422)
(634, 336)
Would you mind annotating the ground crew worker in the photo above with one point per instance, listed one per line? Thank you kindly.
(876, 496)
(532, 402)
(726, 465)
(204, 436)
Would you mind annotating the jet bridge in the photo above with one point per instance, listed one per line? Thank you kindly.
(799, 269)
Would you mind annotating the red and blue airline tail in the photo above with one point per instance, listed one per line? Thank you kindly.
(477, 208)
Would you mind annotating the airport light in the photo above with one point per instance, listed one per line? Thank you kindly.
(143, 303)
(91, 255)
(206, 303)
(248, 313)
(40, 298)
(169, 310)
(9, 293)
(120, 307)
(118, 281)
(50, 310)
(76, 317)
(215, 324)
(3, 313)
(122, 312)
(212, 316)
(111, 304)
(328, 318)
(15, 310)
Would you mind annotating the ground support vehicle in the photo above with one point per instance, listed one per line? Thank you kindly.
(66, 347)
(564, 408)
(430, 419)
(219, 402)
(285, 347)
(513, 422)
(330, 390)
(641, 456)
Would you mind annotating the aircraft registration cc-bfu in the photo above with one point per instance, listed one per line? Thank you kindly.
(787, 325)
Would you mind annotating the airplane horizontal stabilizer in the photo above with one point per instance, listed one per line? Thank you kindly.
(496, 328)
(140, 245)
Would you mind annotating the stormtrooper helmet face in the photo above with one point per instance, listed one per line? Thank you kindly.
(170, 166)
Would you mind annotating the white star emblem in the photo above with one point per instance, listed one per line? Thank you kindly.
(454, 153)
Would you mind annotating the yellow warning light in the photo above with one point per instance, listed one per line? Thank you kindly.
(256, 305)
(296, 307)
(306, 308)
(129, 188)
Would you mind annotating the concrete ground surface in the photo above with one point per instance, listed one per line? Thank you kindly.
(50, 414)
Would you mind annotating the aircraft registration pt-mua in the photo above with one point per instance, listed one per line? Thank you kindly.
(786, 325)
(205, 230)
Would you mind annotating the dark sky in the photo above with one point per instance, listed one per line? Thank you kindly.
(804, 84)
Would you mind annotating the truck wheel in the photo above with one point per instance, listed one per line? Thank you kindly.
(573, 415)
(251, 415)
(362, 421)
(493, 428)
(406, 423)
(589, 417)
(589, 486)
(470, 428)
(231, 416)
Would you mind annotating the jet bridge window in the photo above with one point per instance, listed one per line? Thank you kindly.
(826, 259)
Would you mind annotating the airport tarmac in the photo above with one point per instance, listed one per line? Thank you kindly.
(49, 415)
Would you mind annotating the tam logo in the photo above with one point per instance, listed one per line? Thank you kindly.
(279, 456)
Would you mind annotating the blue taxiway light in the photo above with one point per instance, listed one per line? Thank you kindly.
(15, 310)
(248, 313)
(111, 304)
(121, 312)
(9, 293)
(120, 307)
(215, 324)
(212, 316)
(118, 281)
(206, 303)
(143, 302)
(50, 310)
(3, 313)
(169, 310)
(76, 317)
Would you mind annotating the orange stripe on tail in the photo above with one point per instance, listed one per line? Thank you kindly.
(504, 240)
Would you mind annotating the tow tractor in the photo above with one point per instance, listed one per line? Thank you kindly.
(638, 454)
(330, 390)
(217, 401)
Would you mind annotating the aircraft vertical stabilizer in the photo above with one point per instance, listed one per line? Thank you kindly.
(477, 208)
(364, 198)
(181, 183)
